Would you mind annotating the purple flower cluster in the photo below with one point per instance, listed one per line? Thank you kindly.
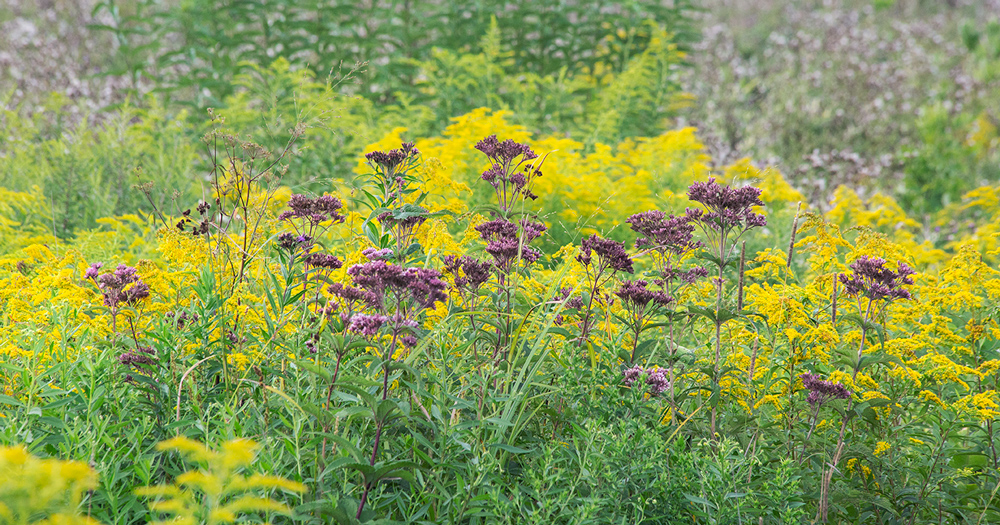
(822, 391)
(570, 302)
(123, 286)
(403, 329)
(405, 223)
(291, 241)
(872, 279)
(507, 243)
(313, 211)
(367, 324)
(662, 233)
(388, 161)
(323, 260)
(424, 286)
(408, 340)
(378, 276)
(497, 229)
(610, 254)
(505, 152)
(140, 356)
(474, 273)
(506, 176)
(656, 378)
(632, 375)
(728, 208)
(350, 293)
(636, 295)
(531, 230)
(93, 271)
(351, 299)
(657, 381)
(182, 319)
(373, 254)
(685, 276)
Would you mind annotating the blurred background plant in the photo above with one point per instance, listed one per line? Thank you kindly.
(38, 490)
(891, 96)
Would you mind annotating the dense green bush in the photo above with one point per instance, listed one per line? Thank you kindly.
(88, 171)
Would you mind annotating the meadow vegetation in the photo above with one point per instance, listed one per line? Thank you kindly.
(492, 275)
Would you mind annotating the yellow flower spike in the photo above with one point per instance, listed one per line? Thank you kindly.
(171, 505)
(238, 453)
(67, 519)
(867, 471)
(13, 456)
(30, 486)
(881, 448)
(769, 399)
(982, 406)
(238, 360)
(159, 491)
(927, 395)
(200, 480)
(215, 494)
(190, 448)
(249, 503)
(221, 516)
(906, 374)
(988, 368)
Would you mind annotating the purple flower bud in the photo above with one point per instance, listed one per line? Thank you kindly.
(140, 356)
(424, 286)
(656, 379)
(387, 161)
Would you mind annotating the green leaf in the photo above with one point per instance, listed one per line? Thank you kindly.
(312, 367)
(969, 459)
(7, 400)
(700, 501)
(367, 471)
(508, 448)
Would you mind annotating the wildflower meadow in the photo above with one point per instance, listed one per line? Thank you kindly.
(495, 275)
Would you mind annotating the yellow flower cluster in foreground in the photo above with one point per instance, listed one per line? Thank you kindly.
(31, 487)
(49, 491)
